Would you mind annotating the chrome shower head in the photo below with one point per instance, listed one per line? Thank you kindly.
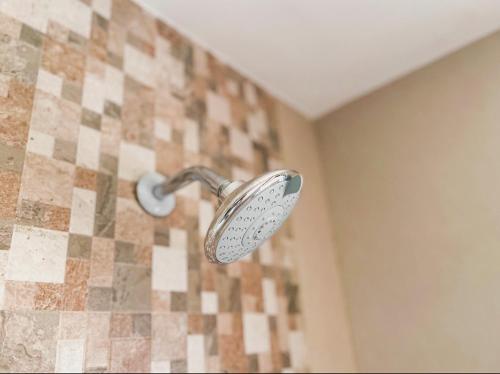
(249, 213)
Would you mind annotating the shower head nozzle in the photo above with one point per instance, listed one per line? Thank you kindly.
(249, 212)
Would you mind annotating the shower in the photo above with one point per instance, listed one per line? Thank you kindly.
(249, 212)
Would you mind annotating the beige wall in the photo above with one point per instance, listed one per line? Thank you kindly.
(414, 183)
(327, 331)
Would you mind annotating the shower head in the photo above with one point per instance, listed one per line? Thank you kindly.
(249, 213)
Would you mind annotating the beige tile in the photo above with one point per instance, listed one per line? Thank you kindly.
(209, 302)
(257, 125)
(218, 108)
(37, 255)
(240, 144)
(132, 223)
(41, 143)
(93, 93)
(139, 66)
(32, 12)
(102, 7)
(135, 161)
(98, 342)
(169, 269)
(69, 356)
(160, 367)
(205, 216)
(191, 136)
(110, 136)
(73, 325)
(82, 212)
(163, 130)
(266, 255)
(130, 356)
(270, 296)
(169, 340)
(114, 85)
(47, 180)
(49, 83)
(87, 153)
(196, 354)
(297, 350)
(250, 94)
(4, 85)
(178, 238)
(256, 333)
(101, 262)
(73, 14)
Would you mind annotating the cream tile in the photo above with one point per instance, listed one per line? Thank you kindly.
(102, 7)
(191, 136)
(49, 82)
(200, 61)
(256, 333)
(31, 12)
(87, 153)
(218, 108)
(139, 66)
(135, 161)
(257, 124)
(160, 367)
(195, 354)
(232, 87)
(177, 75)
(169, 269)
(4, 258)
(250, 94)
(178, 238)
(241, 174)
(37, 255)
(240, 144)
(209, 302)
(297, 350)
(72, 14)
(205, 216)
(191, 191)
(69, 356)
(270, 296)
(163, 130)
(114, 85)
(4, 85)
(41, 143)
(266, 253)
(82, 212)
(94, 90)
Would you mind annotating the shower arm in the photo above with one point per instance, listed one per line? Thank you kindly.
(214, 182)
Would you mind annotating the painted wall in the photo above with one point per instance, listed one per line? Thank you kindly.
(414, 180)
(326, 324)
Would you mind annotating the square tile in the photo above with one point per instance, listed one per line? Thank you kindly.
(93, 93)
(47, 181)
(69, 356)
(209, 302)
(241, 145)
(114, 85)
(250, 94)
(139, 66)
(195, 354)
(218, 108)
(74, 15)
(169, 340)
(270, 296)
(101, 262)
(169, 269)
(297, 349)
(49, 82)
(82, 212)
(160, 367)
(135, 161)
(87, 154)
(256, 333)
(40, 143)
(37, 255)
(191, 136)
(163, 130)
(131, 288)
(132, 223)
(257, 124)
(178, 238)
(98, 343)
(102, 7)
(205, 216)
(130, 356)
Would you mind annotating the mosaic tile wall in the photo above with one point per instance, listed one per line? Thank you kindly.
(92, 95)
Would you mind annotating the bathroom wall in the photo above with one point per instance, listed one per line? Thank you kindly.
(92, 95)
(414, 180)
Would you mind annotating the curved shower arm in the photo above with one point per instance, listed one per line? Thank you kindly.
(209, 178)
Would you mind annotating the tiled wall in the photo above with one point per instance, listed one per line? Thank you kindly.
(92, 95)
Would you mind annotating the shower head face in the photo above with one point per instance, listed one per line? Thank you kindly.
(252, 214)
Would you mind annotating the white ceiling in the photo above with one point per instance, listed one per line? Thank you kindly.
(319, 54)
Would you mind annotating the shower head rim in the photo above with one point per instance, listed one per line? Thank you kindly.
(236, 201)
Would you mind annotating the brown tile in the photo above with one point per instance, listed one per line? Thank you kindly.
(85, 178)
(6, 229)
(132, 223)
(19, 60)
(75, 286)
(121, 325)
(141, 324)
(98, 37)
(131, 288)
(225, 323)
(194, 292)
(11, 158)
(79, 246)
(108, 164)
(101, 262)
(229, 293)
(49, 296)
(137, 113)
(130, 356)
(15, 115)
(104, 225)
(99, 298)
(31, 36)
(28, 341)
(160, 301)
(9, 189)
(178, 302)
(63, 60)
(47, 181)
(169, 336)
(65, 151)
(195, 324)
(112, 110)
(253, 363)
(91, 119)
(178, 366)
(124, 252)
(43, 215)
(57, 32)
(72, 91)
